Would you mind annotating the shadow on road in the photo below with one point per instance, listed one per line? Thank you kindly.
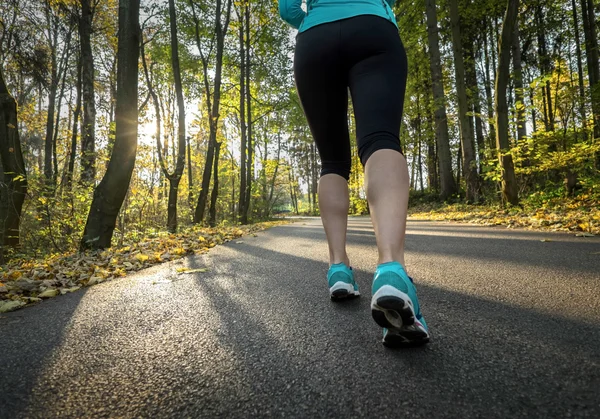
(23, 356)
(581, 255)
(484, 353)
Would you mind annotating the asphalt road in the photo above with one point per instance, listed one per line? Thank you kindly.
(515, 326)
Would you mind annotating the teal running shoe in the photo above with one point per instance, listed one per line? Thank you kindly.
(395, 307)
(341, 282)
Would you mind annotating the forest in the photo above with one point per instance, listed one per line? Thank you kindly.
(121, 120)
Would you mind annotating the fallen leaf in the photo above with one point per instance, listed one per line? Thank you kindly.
(240, 242)
(142, 257)
(191, 271)
(49, 293)
(66, 290)
(585, 235)
(33, 299)
(95, 280)
(161, 281)
(545, 240)
(6, 306)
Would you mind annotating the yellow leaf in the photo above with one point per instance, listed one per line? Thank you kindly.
(6, 306)
(142, 257)
(33, 299)
(15, 274)
(179, 251)
(93, 280)
(49, 293)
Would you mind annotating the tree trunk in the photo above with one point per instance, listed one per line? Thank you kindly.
(88, 128)
(509, 183)
(250, 165)
(14, 184)
(175, 177)
(242, 212)
(518, 79)
(447, 183)
(62, 75)
(76, 117)
(212, 213)
(533, 113)
(110, 193)
(458, 164)
(545, 68)
(488, 91)
(420, 159)
(419, 130)
(234, 215)
(579, 68)
(432, 175)
(315, 177)
(591, 48)
(213, 108)
(293, 195)
(466, 130)
(190, 174)
(53, 88)
(474, 101)
(274, 179)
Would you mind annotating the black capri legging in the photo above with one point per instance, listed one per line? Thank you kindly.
(366, 55)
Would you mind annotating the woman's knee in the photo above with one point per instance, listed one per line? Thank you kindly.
(341, 168)
(375, 142)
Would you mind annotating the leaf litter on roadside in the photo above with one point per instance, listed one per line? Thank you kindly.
(580, 215)
(24, 282)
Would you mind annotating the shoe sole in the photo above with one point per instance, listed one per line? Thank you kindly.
(392, 309)
(342, 291)
(406, 337)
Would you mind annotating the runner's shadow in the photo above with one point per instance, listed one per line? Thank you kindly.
(484, 354)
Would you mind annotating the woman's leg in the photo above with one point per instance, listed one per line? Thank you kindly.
(334, 203)
(377, 84)
(321, 81)
(386, 183)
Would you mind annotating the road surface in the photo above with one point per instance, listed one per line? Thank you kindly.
(515, 324)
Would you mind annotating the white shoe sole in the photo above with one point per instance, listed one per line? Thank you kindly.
(392, 308)
(407, 336)
(342, 290)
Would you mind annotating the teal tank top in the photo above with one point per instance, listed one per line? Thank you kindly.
(325, 11)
